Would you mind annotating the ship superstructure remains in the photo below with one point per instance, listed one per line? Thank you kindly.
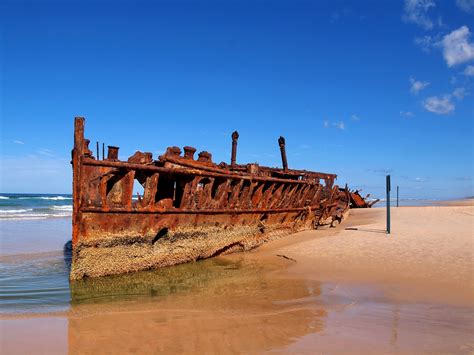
(190, 208)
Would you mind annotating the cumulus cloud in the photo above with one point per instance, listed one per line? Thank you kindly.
(466, 5)
(46, 152)
(380, 171)
(426, 43)
(415, 179)
(459, 93)
(440, 105)
(417, 86)
(469, 71)
(415, 11)
(456, 47)
(16, 141)
(355, 118)
(443, 105)
(407, 114)
(339, 125)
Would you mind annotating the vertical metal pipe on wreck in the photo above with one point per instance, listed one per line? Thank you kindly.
(281, 143)
(233, 157)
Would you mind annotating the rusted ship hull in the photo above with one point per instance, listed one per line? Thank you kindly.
(190, 209)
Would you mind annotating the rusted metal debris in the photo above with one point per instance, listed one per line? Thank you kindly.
(190, 208)
(357, 201)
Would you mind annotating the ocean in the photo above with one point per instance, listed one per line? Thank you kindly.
(34, 206)
(34, 264)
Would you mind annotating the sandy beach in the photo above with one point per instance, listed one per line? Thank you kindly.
(428, 255)
(340, 290)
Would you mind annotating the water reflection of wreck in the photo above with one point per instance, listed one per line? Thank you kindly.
(219, 305)
(190, 208)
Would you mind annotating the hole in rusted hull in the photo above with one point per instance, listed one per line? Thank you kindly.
(161, 233)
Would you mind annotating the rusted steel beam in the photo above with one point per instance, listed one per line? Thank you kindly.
(176, 159)
(197, 211)
(182, 171)
(77, 157)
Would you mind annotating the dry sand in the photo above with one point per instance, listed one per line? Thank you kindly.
(345, 291)
(427, 256)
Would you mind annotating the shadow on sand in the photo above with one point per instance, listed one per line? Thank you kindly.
(367, 230)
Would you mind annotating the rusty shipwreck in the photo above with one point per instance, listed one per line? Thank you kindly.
(189, 209)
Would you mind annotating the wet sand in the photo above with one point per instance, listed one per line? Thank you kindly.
(334, 291)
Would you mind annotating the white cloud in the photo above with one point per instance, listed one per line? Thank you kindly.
(415, 11)
(407, 114)
(440, 105)
(459, 93)
(466, 5)
(426, 43)
(355, 118)
(16, 141)
(340, 125)
(443, 105)
(469, 71)
(380, 171)
(46, 152)
(456, 47)
(417, 86)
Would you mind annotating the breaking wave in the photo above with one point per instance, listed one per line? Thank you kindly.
(34, 206)
(36, 213)
(18, 216)
(16, 211)
(53, 198)
(62, 208)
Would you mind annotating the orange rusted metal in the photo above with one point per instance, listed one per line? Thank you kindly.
(357, 201)
(190, 208)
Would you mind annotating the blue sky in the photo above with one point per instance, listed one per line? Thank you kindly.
(358, 88)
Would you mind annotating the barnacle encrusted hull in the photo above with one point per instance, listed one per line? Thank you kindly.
(178, 246)
(188, 209)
